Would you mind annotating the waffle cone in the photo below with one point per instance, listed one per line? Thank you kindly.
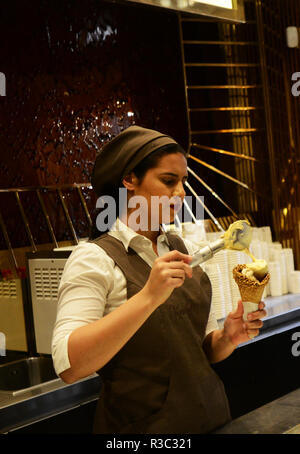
(250, 290)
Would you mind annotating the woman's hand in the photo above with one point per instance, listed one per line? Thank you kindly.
(239, 331)
(168, 272)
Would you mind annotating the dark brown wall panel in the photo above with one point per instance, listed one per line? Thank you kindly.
(77, 73)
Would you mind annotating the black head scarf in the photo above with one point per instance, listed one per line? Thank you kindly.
(121, 155)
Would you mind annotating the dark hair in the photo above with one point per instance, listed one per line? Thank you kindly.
(140, 170)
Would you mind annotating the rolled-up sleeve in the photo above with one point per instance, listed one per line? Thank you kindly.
(82, 294)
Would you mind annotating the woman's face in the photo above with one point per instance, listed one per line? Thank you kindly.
(166, 179)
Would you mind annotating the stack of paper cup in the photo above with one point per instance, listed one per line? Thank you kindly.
(267, 235)
(275, 278)
(213, 236)
(279, 256)
(277, 245)
(194, 232)
(271, 251)
(221, 259)
(257, 234)
(218, 298)
(273, 247)
(290, 266)
(256, 249)
(289, 259)
(265, 250)
(295, 281)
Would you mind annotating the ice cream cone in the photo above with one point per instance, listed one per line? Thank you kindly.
(251, 291)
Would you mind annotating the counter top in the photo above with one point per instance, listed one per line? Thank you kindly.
(45, 401)
(282, 414)
(277, 417)
(26, 407)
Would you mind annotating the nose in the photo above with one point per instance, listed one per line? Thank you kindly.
(179, 190)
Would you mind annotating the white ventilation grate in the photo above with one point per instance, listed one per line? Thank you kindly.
(8, 289)
(47, 281)
(45, 275)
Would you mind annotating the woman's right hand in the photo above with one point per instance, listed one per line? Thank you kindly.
(168, 272)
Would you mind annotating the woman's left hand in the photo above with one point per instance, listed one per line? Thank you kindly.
(238, 330)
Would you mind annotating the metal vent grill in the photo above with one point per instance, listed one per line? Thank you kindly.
(12, 323)
(45, 276)
(8, 289)
(47, 281)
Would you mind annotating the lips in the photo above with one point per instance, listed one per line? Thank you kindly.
(176, 206)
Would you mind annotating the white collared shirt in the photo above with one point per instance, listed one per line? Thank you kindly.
(92, 285)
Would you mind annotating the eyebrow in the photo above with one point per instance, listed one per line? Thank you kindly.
(172, 174)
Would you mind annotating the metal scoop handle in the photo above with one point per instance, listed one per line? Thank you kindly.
(207, 252)
(238, 239)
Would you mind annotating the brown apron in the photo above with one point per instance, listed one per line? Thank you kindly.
(161, 382)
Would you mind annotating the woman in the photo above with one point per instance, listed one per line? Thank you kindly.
(132, 308)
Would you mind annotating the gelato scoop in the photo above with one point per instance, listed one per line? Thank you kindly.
(256, 270)
(238, 236)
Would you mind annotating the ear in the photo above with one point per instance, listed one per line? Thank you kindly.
(130, 181)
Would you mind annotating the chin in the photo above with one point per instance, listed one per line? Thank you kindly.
(168, 220)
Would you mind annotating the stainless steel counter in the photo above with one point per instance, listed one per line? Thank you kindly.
(283, 414)
(56, 397)
(277, 417)
(45, 401)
